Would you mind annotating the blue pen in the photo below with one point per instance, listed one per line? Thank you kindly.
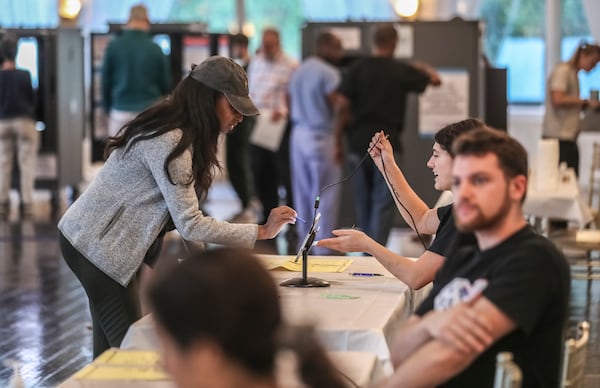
(301, 219)
(364, 274)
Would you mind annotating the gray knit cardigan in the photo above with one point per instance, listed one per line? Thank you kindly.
(118, 217)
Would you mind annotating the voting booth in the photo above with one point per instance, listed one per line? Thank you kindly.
(54, 59)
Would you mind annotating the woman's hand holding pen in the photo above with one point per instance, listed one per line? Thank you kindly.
(380, 147)
(278, 217)
(347, 240)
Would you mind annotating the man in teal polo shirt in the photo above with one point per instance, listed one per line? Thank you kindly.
(135, 72)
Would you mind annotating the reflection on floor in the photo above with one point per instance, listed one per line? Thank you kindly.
(44, 320)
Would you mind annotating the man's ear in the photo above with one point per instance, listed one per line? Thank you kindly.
(518, 187)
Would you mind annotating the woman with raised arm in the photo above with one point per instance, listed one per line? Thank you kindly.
(414, 272)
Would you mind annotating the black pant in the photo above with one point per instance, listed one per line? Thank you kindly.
(113, 307)
(283, 155)
(271, 170)
(568, 152)
(266, 178)
(238, 160)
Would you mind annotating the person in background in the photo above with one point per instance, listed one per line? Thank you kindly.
(507, 293)
(564, 104)
(423, 220)
(238, 146)
(156, 169)
(211, 338)
(269, 73)
(375, 91)
(313, 96)
(135, 72)
(17, 130)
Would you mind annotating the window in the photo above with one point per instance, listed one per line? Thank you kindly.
(514, 38)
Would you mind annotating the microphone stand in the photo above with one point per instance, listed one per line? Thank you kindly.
(305, 281)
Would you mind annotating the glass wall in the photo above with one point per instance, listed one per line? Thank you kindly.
(286, 15)
(513, 29)
(514, 38)
(29, 14)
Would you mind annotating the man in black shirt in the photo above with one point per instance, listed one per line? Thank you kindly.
(374, 91)
(454, 337)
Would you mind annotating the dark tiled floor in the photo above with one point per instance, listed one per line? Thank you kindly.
(44, 321)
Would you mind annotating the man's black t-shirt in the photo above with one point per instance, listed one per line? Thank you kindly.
(377, 88)
(528, 280)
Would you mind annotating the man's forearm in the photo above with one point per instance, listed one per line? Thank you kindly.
(409, 338)
(429, 366)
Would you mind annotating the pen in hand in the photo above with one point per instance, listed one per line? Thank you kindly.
(301, 219)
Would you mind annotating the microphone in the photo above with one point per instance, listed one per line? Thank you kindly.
(326, 187)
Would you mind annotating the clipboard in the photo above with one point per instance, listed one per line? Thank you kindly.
(268, 133)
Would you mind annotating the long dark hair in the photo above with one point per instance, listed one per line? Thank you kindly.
(191, 108)
(226, 296)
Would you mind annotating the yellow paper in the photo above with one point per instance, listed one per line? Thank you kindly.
(319, 265)
(128, 357)
(315, 264)
(116, 364)
(121, 372)
(273, 261)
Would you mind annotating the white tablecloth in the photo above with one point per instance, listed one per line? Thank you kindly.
(564, 203)
(354, 314)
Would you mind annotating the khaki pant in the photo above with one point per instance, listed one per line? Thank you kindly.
(21, 136)
(117, 119)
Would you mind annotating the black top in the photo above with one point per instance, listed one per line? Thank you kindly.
(16, 94)
(528, 280)
(446, 232)
(377, 88)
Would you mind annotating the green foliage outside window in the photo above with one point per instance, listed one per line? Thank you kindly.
(286, 16)
(526, 18)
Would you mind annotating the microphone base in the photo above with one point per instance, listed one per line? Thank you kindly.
(308, 282)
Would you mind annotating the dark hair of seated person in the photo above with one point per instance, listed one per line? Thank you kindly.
(225, 300)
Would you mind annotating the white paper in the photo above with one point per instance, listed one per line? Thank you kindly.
(545, 169)
(195, 50)
(404, 47)
(268, 133)
(444, 104)
(350, 37)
